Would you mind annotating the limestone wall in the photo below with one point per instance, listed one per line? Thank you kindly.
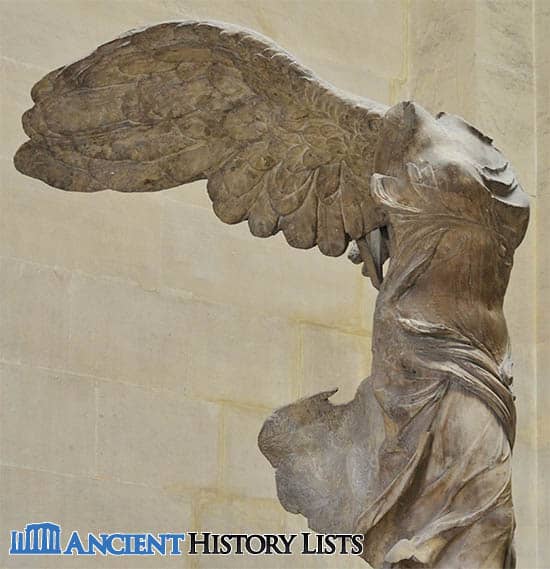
(542, 60)
(143, 343)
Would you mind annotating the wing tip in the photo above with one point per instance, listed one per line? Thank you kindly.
(33, 160)
(22, 159)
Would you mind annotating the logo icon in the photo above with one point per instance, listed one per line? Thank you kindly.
(37, 539)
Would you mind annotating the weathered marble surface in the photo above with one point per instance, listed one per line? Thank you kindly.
(176, 103)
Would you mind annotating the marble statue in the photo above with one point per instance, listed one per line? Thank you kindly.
(419, 461)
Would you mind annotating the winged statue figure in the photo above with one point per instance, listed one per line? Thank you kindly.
(419, 461)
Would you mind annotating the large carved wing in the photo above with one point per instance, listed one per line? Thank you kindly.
(178, 102)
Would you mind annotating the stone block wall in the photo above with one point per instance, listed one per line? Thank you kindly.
(143, 343)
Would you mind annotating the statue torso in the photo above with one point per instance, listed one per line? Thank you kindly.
(439, 315)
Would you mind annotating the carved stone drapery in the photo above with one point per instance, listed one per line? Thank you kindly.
(419, 461)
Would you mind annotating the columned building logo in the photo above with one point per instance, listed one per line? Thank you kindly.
(37, 539)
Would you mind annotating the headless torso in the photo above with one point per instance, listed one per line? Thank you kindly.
(435, 490)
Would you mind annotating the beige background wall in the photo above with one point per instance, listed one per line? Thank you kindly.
(143, 343)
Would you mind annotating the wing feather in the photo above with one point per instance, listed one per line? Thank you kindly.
(300, 227)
